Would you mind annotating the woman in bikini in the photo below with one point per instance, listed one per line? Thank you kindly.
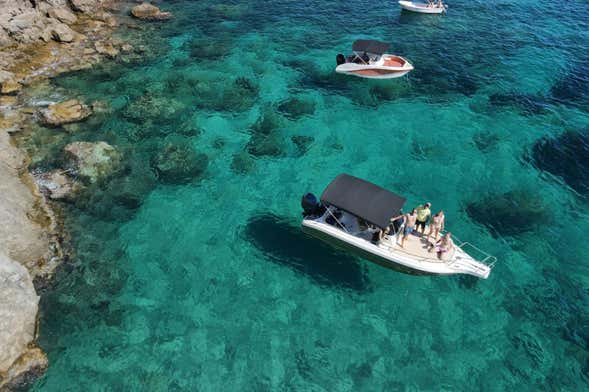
(436, 225)
(443, 245)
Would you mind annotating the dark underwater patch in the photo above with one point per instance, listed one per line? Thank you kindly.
(287, 245)
(294, 108)
(485, 140)
(242, 163)
(565, 156)
(302, 143)
(510, 213)
(178, 163)
(208, 49)
(528, 104)
(573, 88)
(266, 139)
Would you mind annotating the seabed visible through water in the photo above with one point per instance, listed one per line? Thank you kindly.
(191, 272)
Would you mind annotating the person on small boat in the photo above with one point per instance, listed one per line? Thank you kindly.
(436, 225)
(410, 219)
(423, 214)
(443, 245)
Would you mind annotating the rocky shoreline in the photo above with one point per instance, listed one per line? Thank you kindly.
(40, 39)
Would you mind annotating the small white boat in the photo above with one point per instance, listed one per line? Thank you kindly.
(431, 7)
(352, 210)
(369, 60)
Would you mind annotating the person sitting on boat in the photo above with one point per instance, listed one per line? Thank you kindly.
(410, 219)
(365, 58)
(443, 245)
(436, 225)
(423, 214)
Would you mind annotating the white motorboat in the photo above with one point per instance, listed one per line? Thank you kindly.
(369, 60)
(431, 7)
(351, 213)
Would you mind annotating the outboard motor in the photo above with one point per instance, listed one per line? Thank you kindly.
(310, 204)
(340, 59)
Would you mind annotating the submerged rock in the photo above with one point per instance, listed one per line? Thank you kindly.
(178, 163)
(565, 156)
(92, 161)
(528, 103)
(206, 48)
(240, 96)
(510, 213)
(57, 185)
(149, 12)
(266, 139)
(130, 190)
(302, 142)
(18, 319)
(242, 163)
(65, 113)
(152, 106)
(295, 108)
(485, 140)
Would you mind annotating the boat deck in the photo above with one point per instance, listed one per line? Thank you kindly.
(393, 62)
(415, 246)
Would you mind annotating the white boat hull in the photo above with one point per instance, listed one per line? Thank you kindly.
(387, 256)
(421, 8)
(379, 69)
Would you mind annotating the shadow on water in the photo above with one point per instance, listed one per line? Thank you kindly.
(287, 245)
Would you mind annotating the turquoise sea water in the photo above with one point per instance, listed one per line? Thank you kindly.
(190, 271)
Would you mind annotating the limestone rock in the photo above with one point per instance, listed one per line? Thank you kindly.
(57, 185)
(21, 238)
(92, 161)
(8, 83)
(29, 367)
(106, 48)
(149, 12)
(86, 6)
(18, 312)
(107, 18)
(63, 15)
(65, 112)
(62, 33)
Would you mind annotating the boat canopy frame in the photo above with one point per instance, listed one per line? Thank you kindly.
(363, 199)
(377, 48)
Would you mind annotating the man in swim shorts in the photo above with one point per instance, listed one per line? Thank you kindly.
(423, 214)
(410, 219)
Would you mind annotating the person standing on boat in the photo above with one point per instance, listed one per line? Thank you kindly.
(423, 214)
(436, 225)
(410, 219)
(443, 245)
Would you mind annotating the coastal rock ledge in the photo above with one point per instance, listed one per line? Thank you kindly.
(20, 360)
(149, 12)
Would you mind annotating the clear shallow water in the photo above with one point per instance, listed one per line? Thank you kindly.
(199, 278)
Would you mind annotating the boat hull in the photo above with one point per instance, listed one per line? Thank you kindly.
(372, 72)
(421, 8)
(388, 255)
(350, 248)
(388, 67)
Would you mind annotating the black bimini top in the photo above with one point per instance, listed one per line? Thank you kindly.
(370, 46)
(370, 202)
